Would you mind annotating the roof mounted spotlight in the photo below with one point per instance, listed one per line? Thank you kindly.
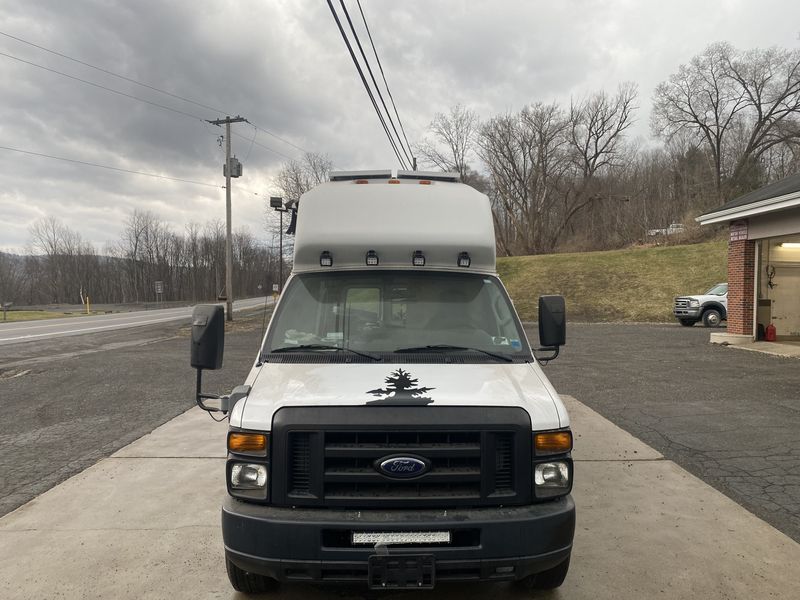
(464, 259)
(372, 258)
(418, 259)
(325, 259)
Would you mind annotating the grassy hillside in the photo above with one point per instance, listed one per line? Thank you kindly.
(618, 285)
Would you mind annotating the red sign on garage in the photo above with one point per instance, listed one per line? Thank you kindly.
(738, 231)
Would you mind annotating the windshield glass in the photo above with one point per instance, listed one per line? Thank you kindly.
(390, 311)
(718, 290)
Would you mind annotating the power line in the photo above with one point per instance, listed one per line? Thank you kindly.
(102, 87)
(372, 76)
(140, 83)
(383, 75)
(99, 166)
(253, 141)
(131, 171)
(107, 72)
(132, 97)
(364, 82)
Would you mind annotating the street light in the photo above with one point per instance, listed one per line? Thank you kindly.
(276, 202)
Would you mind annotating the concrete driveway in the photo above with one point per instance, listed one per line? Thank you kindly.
(144, 523)
(728, 416)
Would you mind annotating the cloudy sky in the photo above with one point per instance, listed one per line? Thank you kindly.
(284, 66)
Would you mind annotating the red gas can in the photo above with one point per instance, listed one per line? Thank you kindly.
(770, 333)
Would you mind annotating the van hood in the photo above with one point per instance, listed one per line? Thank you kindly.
(278, 385)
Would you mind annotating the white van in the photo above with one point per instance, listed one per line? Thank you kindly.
(395, 430)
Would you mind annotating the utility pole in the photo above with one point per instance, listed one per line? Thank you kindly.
(228, 247)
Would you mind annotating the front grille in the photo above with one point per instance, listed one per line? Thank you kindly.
(504, 465)
(350, 472)
(335, 465)
(681, 303)
(300, 464)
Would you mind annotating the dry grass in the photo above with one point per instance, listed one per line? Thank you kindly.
(38, 315)
(619, 285)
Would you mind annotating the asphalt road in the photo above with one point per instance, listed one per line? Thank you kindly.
(730, 417)
(67, 402)
(25, 331)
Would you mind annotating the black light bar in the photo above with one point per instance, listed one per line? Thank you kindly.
(352, 175)
(430, 175)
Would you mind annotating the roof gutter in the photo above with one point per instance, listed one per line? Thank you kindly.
(769, 205)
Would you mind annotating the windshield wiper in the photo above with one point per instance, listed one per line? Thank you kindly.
(446, 347)
(314, 347)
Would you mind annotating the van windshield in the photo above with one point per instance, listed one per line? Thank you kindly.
(396, 312)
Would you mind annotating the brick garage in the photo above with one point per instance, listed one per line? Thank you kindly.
(763, 261)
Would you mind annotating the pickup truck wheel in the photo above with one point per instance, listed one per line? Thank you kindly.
(249, 583)
(712, 318)
(547, 580)
(687, 322)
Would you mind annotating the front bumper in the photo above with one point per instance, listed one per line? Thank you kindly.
(687, 313)
(491, 544)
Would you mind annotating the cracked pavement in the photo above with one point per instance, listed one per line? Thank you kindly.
(730, 417)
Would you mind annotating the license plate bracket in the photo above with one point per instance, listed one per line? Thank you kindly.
(401, 571)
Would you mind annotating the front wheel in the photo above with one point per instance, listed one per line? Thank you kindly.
(547, 580)
(249, 583)
(712, 318)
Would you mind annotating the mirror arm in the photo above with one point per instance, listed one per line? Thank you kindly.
(199, 396)
(546, 359)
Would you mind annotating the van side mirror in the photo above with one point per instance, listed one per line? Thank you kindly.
(552, 324)
(207, 346)
(208, 336)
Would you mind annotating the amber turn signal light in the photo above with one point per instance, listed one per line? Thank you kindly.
(553, 442)
(249, 443)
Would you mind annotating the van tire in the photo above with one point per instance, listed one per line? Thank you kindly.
(546, 580)
(249, 583)
(712, 318)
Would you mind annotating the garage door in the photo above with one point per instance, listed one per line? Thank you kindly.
(786, 300)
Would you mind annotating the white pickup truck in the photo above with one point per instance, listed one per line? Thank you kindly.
(711, 307)
(396, 429)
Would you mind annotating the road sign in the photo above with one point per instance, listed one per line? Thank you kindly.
(275, 287)
(159, 287)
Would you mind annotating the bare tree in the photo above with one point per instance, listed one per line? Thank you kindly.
(454, 141)
(11, 278)
(597, 124)
(298, 176)
(547, 165)
(740, 104)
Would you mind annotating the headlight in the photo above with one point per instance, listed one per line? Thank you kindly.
(247, 476)
(551, 479)
(694, 303)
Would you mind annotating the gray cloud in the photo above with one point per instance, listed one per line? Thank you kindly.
(284, 66)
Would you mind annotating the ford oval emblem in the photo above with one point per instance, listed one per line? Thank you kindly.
(403, 467)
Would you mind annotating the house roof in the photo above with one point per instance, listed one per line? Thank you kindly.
(775, 196)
